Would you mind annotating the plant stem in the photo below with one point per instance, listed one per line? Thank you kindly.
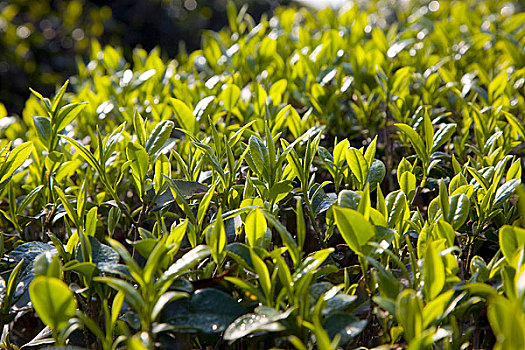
(317, 231)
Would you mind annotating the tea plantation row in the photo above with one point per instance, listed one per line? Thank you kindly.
(315, 180)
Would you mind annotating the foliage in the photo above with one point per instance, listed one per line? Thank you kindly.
(41, 41)
(317, 180)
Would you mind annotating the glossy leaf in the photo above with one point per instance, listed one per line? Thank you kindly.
(255, 227)
(354, 228)
(433, 272)
(511, 238)
(53, 301)
(15, 159)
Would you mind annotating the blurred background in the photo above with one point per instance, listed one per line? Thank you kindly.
(40, 41)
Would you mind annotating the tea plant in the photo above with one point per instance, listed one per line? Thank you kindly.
(329, 179)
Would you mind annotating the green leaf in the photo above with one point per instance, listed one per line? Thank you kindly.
(443, 229)
(159, 136)
(286, 237)
(252, 291)
(113, 219)
(211, 311)
(340, 152)
(389, 286)
(230, 96)
(13, 280)
(381, 203)
(429, 133)
(409, 313)
(54, 303)
(176, 234)
(102, 255)
(365, 205)
(280, 190)
(132, 295)
(434, 309)
(37, 94)
(111, 140)
(516, 124)
(284, 275)
(505, 191)
(354, 228)
(85, 269)
(134, 269)
(479, 178)
(233, 21)
(259, 99)
(186, 262)
(311, 263)
(204, 107)
(407, 182)
(443, 199)
(263, 275)
(456, 166)
(480, 289)
(507, 322)
(43, 126)
(348, 199)
(189, 188)
(68, 207)
(415, 140)
(217, 239)
(511, 239)
(15, 159)
(162, 168)
(433, 272)
(321, 337)
(259, 154)
(358, 165)
(183, 114)
(459, 210)
(204, 205)
(277, 91)
(396, 204)
(87, 155)
(215, 163)
(59, 95)
(66, 115)
(376, 174)
(181, 200)
(258, 321)
(156, 259)
(28, 199)
(345, 325)
(255, 227)
(442, 136)
(514, 171)
(371, 152)
(116, 306)
(91, 221)
(139, 164)
(140, 130)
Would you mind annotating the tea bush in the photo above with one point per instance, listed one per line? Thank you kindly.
(40, 40)
(316, 180)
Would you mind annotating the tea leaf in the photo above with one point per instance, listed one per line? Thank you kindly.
(255, 226)
(158, 136)
(433, 272)
(53, 301)
(15, 159)
(354, 228)
(511, 238)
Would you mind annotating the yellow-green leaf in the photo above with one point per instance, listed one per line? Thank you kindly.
(54, 303)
